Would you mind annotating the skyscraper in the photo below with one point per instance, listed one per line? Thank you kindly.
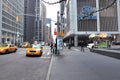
(10, 30)
(33, 11)
(48, 31)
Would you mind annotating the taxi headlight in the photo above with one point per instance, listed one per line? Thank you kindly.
(1, 49)
(37, 50)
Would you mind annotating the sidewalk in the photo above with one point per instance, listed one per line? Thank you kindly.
(77, 65)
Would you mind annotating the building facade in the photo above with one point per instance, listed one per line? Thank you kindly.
(34, 9)
(43, 21)
(48, 31)
(10, 30)
(79, 26)
(29, 20)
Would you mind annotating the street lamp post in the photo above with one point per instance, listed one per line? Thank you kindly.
(57, 31)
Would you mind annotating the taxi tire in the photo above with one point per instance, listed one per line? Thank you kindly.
(6, 52)
(40, 55)
(15, 50)
(27, 55)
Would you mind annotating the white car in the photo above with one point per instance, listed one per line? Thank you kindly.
(90, 45)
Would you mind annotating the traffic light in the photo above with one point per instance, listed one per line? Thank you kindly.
(17, 19)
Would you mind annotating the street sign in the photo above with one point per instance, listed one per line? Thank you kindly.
(55, 31)
(61, 34)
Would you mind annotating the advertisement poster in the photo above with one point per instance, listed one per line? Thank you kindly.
(59, 43)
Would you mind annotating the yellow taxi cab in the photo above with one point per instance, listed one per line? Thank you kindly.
(34, 51)
(7, 48)
(25, 45)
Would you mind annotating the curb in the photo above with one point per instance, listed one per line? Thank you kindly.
(110, 53)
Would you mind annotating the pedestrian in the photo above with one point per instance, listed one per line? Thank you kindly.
(109, 44)
(51, 47)
(82, 46)
(69, 46)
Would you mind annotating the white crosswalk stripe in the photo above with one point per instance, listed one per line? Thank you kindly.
(49, 53)
(76, 49)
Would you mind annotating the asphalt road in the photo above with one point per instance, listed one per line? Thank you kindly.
(76, 65)
(69, 65)
(16, 66)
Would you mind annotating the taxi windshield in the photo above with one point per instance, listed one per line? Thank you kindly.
(36, 46)
(4, 45)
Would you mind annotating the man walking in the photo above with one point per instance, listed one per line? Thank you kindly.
(82, 46)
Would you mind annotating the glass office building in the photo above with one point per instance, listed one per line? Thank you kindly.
(10, 30)
(31, 30)
(80, 26)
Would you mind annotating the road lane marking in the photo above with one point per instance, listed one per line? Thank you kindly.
(43, 57)
(76, 49)
(48, 53)
(49, 70)
(43, 52)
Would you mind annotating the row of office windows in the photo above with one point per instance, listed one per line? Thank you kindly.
(108, 18)
(10, 13)
(11, 28)
(13, 10)
(16, 5)
(4, 13)
(10, 21)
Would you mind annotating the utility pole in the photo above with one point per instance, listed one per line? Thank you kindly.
(56, 50)
(37, 10)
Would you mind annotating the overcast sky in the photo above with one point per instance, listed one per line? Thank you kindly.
(52, 9)
(52, 12)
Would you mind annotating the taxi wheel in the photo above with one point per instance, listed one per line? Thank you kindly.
(15, 50)
(6, 52)
(40, 55)
(26, 55)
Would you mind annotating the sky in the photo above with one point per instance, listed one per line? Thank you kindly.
(52, 9)
(52, 12)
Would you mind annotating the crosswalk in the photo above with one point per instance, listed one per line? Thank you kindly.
(47, 51)
(76, 49)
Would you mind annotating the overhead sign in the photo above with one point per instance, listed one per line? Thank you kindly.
(61, 34)
(55, 32)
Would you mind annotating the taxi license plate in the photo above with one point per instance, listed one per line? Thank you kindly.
(32, 53)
